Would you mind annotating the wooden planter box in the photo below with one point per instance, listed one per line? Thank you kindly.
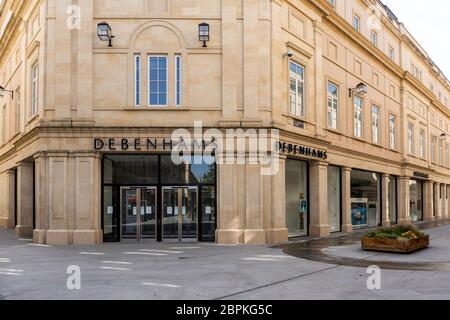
(393, 245)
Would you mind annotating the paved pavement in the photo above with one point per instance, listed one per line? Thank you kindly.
(207, 271)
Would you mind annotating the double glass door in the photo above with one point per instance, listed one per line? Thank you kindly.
(179, 213)
(139, 213)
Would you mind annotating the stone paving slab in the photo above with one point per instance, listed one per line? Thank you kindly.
(205, 271)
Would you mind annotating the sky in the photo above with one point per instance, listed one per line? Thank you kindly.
(429, 23)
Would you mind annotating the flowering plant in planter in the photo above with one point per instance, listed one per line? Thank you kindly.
(403, 239)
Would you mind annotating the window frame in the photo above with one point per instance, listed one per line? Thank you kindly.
(422, 143)
(166, 57)
(374, 38)
(358, 18)
(376, 139)
(302, 107)
(18, 102)
(410, 139)
(34, 89)
(331, 110)
(178, 80)
(358, 116)
(392, 131)
(137, 82)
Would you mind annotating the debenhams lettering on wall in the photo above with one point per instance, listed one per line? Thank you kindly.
(169, 145)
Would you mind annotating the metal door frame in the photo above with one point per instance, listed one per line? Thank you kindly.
(138, 190)
(180, 212)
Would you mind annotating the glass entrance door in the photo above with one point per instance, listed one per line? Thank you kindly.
(180, 207)
(138, 221)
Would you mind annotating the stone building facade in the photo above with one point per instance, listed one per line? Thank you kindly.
(362, 112)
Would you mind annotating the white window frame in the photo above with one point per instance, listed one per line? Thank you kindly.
(410, 139)
(150, 56)
(391, 52)
(18, 97)
(375, 124)
(433, 148)
(357, 27)
(299, 108)
(392, 132)
(374, 38)
(178, 81)
(358, 117)
(34, 89)
(422, 143)
(333, 107)
(137, 80)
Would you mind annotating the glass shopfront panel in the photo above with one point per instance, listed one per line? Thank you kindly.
(297, 198)
(130, 169)
(392, 190)
(193, 171)
(416, 200)
(334, 198)
(365, 199)
(141, 193)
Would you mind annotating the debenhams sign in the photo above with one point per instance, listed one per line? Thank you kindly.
(298, 150)
(167, 144)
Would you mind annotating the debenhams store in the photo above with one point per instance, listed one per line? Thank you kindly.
(129, 188)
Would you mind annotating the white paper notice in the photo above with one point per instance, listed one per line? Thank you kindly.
(110, 210)
(176, 211)
(183, 211)
(148, 210)
(169, 210)
(208, 210)
(143, 211)
(134, 211)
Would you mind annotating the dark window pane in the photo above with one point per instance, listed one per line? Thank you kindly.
(131, 169)
(192, 171)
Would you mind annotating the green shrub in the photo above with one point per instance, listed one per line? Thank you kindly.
(397, 232)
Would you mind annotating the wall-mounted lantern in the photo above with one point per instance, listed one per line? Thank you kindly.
(361, 89)
(203, 33)
(3, 90)
(104, 32)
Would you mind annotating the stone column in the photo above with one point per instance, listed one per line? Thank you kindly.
(347, 225)
(428, 214)
(7, 203)
(386, 221)
(39, 234)
(404, 217)
(444, 202)
(278, 231)
(448, 201)
(25, 198)
(254, 232)
(319, 226)
(229, 227)
(437, 201)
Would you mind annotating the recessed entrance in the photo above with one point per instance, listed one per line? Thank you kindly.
(150, 197)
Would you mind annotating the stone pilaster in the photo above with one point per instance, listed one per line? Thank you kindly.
(428, 214)
(437, 202)
(278, 231)
(404, 217)
(445, 202)
(7, 203)
(319, 226)
(386, 222)
(346, 201)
